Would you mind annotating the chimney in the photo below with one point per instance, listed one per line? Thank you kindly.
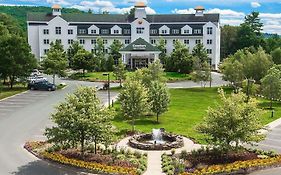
(56, 10)
(199, 11)
(140, 10)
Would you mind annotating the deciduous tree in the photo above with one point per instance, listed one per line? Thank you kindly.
(119, 72)
(232, 123)
(83, 60)
(80, 120)
(134, 100)
(55, 62)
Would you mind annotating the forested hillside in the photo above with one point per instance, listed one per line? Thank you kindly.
(20, 12)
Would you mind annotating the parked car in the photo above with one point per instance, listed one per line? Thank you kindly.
(42, 85)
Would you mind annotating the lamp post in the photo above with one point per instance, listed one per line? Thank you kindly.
(108, 88)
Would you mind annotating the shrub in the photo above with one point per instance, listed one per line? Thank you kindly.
(183, 154)
(170, 172)
(173, 151)
(137, 154)
(122, 150)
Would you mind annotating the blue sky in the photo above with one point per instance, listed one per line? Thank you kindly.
(232, 11)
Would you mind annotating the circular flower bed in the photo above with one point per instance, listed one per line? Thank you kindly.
(144, 142)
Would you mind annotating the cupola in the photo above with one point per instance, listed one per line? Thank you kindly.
(199, 11)
(140, 10)
(56, 10)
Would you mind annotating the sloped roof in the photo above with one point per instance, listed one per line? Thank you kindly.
(140, 45)
(122, 18)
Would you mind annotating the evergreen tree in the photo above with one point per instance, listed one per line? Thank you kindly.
(200, 52)
(276, 55)
(72, 51)
(162, 47)
(100, 55)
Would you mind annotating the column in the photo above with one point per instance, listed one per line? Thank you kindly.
(124, 58)
(156, 56)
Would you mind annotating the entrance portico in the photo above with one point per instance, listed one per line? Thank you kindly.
(139, 54)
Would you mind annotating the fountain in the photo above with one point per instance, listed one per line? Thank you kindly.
(157, 140)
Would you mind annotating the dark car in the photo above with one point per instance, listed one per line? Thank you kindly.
(42, 85)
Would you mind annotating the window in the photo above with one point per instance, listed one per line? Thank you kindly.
(175, 31)
(165, 41)
(174, 41)
(127, 31)
(153, 41)
(59, 41)
(104, 31)
(104, 41)
(93, 31)
(186, 31)
(140, 30)
(58, 30)
(186, 41)
(153, 31)
(70, 41)
(198, 41)
(93, 50)
(82, 41)
(93, 41)
(46, 31)
(116, 31)
(209, 41)
(105, 50)
(82, 31)
(127, 41)
(209, 51)
(209, 30)
(197, 31)
(70, 32)
(46, 41)
(46, 51)
(115, 61)
(164, 31)
(165, 50)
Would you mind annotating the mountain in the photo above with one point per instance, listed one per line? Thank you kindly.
(20, 12)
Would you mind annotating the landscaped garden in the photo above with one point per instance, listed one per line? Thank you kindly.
(186, 110)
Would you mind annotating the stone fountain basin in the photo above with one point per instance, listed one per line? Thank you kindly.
(143, 142)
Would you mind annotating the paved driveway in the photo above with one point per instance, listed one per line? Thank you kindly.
(24, 117)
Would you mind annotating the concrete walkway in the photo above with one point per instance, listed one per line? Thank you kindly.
(154, 157)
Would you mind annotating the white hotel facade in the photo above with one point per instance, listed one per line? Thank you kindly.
(139, 32)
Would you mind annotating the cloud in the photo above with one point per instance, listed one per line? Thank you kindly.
(271, 21)
(255, 4)
(61, 2)
(134, 1)
(97, 3)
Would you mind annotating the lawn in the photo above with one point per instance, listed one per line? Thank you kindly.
(98, 76)
(187, 109)
(7, 92)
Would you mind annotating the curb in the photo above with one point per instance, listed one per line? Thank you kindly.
(14, 95)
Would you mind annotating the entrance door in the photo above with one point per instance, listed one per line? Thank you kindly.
(140, 62)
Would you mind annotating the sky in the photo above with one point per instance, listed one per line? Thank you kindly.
(232, 11)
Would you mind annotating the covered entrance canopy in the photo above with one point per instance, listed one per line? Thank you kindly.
(139, 53)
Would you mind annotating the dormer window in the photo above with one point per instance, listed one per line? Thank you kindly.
(186, 32)
(164, 31)
(93, 31)
(82, 31)
(197, 31)
(116, 31)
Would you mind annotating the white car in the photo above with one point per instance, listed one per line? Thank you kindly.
(33, 79)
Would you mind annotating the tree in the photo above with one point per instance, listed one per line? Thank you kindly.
(162, 47)
(11, 24)
(80, 120)
(228, 40)
(72, 51)
(276, 55)
(202, 72)
(158, 98)
(56, 62)
(16, 61)
(100, 55)
(232, 122)
(200, 52)
(90, 11)
(115, 49)
(232, 71)
(83, 60)
(134, 100)
(180, 59)
(271, 84)
(253, 21)
(119, 71)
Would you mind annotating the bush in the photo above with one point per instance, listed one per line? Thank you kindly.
(137, 154)
(183, 154)
(173, 151)
(170, 172)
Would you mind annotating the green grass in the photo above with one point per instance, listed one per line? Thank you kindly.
(7, 92)
(98, 76)
(187, 109)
